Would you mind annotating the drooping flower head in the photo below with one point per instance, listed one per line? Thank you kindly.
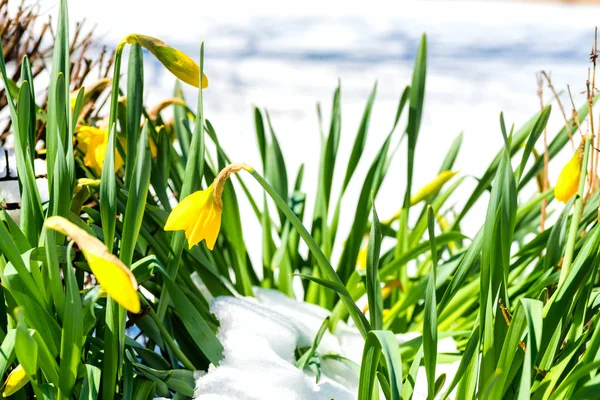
(179, 63)
(568, 180)
(112, 275)
(199, 214)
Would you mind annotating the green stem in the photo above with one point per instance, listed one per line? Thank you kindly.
(576, 216)
(166, 336)
(194, 168)
(115, 328)
(359, 319)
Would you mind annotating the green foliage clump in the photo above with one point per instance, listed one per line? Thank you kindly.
(520, 301)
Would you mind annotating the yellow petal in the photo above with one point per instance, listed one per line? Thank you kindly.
(115, 279)
(206, 227)
(185, 214)
(180, 64)
(15, 381)
(93, 142)
(112, 275)
(568, 180)
(432, 187)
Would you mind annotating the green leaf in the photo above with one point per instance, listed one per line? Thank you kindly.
(380, 343)
(415, 110)
(466, 359)
(260, 136)
(430, 329)
(72, 333)
(7, 351)
(58, 107)
(275, 169)
(303, 361)
(199, 330)
(536, 132)
(451, 154)
(136, 198)
(108, 191)
(360, 140)
(90, 389)
(135, 96)
(533, 313)
(373, 285)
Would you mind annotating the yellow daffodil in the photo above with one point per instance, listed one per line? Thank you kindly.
(112, 275)
(179, 63)
(199, 216)
(432, 187)
(15, 381)
(568, 180)
(93, 142)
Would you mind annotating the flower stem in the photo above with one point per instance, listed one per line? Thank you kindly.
(359, 319)
(568, 259)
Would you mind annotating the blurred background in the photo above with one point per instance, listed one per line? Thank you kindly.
(286, 57)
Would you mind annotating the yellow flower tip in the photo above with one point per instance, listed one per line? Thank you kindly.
(361, 260)
(199, 216)
(112, 275)
(153, 148)
(179, 63)
(88, 182)
(568, 180)
(15, 381)
(432, 187)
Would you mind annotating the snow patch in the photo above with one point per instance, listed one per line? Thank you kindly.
(260, 336)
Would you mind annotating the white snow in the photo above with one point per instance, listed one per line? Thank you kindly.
(260, 335)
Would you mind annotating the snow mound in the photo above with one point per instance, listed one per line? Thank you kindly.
(260, 336)
(259, 342)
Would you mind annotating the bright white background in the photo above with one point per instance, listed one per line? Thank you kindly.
(287, 56)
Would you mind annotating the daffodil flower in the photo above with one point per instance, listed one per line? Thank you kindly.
(112, 275)
(179, 63)
(93, 142)
(15, 381)
(199, 214)
(568, 180)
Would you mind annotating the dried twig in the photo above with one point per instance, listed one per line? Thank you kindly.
(540, 83)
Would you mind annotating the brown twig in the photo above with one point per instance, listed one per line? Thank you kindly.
(560, 105)
(591, 87)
